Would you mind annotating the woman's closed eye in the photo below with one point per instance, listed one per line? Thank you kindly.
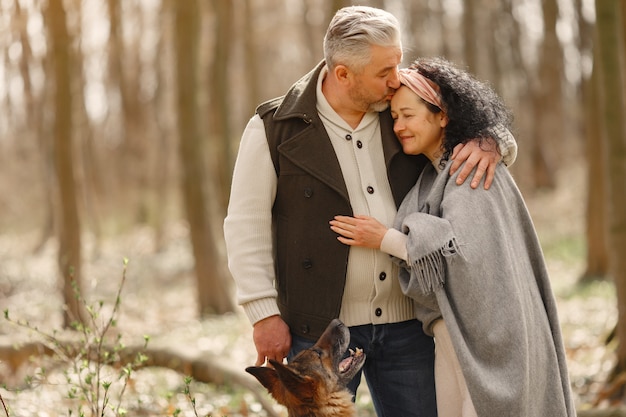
(402, 117)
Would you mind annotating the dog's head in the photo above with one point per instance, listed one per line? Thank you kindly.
(317, 377)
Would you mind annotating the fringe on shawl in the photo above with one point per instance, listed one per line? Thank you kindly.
(429, 270)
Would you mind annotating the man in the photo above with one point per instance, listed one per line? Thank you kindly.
(325, 148)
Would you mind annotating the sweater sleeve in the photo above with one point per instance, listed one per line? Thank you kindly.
(506, 144)
(248, 224)
(394, 243)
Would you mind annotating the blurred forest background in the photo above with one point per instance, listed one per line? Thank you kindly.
(120, 122)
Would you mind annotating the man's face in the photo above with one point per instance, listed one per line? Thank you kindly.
(374, 86)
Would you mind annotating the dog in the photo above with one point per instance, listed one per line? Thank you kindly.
(314, 382)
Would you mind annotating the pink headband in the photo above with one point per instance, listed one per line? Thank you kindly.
(421, 86)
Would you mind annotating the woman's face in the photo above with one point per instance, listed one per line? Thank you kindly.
(419, 130)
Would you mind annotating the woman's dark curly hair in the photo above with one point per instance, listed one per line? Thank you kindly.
(473, 107)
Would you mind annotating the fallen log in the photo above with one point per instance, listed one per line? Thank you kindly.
(202, 367)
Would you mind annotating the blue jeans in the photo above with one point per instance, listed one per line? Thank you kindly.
(399, 367)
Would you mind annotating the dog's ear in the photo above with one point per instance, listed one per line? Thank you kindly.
(286, 386)
(300, 386)
(266, 376)
(270, 379)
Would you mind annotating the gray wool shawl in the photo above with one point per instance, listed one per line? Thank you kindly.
(474, 259)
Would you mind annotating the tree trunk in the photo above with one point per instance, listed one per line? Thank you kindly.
(547, 94)
(125, 73)
(469, 35)
(517, 73)
(162, 170)
(89, 171)
(416, 16)
(611, 66)
(213, 295)
(253, 94)
(597, 256)
(189, 362)
(220, 133)
(69, 255)
(310, 36)
(34, 124)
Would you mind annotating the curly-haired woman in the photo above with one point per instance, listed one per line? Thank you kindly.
(472, 260)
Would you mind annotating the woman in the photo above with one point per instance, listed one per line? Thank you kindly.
(472, 260)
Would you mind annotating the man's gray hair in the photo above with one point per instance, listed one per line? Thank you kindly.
(353, 30)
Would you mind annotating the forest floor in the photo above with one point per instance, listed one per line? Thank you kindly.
(158, 300)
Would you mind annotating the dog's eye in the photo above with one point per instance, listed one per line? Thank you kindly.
(319, 352)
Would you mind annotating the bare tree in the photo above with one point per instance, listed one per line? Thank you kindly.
(213, 293)
(34, 123)
(478, 45)
(612, 84)
(163, 167)
(597, 256)
(68, 229)
(310, 35)
(251, 59)
(470, 44)
(547, 94)
(125, 72)
(220, 130)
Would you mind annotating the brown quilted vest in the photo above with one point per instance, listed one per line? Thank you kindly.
(310, 262)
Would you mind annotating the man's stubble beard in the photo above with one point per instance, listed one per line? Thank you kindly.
(378, 106)
(357, 96)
